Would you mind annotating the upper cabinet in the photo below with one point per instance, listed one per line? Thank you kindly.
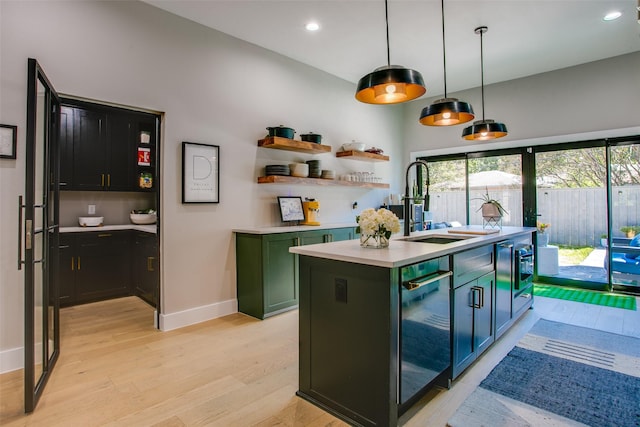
(104, 148)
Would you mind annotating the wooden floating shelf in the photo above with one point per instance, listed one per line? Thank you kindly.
(362, 155)
(280, 179)
(293, 145)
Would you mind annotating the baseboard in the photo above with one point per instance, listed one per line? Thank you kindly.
(11, 359)
(195, 315)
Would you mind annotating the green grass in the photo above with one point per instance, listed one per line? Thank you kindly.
(573, 255)
(586, 296)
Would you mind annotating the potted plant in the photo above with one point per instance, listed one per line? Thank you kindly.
(630, 230)
(543, 237)
(604, 242)
(491, 208)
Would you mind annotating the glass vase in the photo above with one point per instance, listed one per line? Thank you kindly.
(374, 241)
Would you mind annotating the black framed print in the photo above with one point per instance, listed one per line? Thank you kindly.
(8, 141)
(200, 173)
(291, 208)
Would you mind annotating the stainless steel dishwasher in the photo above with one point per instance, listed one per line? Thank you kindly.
(425, 339)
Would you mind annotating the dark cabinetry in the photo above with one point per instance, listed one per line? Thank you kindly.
(99, 265)
(93, 266)
(100, 148)
(267, 273)
(504, 280)
(474, 287)
(145, 266)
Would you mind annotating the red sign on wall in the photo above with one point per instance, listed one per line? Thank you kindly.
(144, 156)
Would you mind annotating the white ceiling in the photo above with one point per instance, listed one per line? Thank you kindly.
(525, 37)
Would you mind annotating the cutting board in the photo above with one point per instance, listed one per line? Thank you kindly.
(478, 232)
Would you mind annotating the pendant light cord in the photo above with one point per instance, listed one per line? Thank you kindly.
(386, 19)
(444, 52)
(482, 30)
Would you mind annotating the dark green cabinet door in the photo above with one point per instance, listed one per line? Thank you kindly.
(483, 313)
(338, 234)
(103, 266)
(313, 237)
(89, 150)
(280, 272)
(463, 341)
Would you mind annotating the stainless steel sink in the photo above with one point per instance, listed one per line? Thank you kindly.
(439, 239)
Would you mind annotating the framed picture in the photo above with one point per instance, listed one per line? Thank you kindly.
(8, 141)
(200, 173)
(291, 208)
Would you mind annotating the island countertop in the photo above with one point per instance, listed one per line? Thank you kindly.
(402, 251)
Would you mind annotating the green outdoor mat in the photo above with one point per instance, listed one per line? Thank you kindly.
(586, 296)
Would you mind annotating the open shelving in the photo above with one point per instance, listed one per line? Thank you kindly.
(279, 143)
(281, 179)
(362, 155)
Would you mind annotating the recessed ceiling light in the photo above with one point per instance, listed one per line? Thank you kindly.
(612, 15)
(312, 26)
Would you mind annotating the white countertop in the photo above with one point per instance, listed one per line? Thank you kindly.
(402, 252)
(151, 228)
(290, 228)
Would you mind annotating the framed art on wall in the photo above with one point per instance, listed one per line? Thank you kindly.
(8, 141)
(200, 173)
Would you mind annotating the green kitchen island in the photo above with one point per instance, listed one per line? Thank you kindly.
(380, 327)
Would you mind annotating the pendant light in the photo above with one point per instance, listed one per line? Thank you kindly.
(446, 111)
(390, 84)
(485, 129)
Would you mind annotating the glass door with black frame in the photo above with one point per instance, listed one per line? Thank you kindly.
(39, 235)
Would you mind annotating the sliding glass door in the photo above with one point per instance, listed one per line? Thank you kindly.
(624, 244)
(571, 203)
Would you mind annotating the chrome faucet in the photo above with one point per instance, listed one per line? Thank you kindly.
(407, 197)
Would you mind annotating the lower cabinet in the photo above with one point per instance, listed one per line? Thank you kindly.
(472, 321)
(267, 273)
(145, 266)
(98, 265)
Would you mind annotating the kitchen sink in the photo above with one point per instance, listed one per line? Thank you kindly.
(441, 240)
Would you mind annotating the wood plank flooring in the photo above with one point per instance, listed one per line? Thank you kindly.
(115, 369)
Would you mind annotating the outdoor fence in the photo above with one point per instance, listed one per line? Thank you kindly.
(578, 216)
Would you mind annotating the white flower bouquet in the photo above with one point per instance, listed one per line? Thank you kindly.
(375, 227)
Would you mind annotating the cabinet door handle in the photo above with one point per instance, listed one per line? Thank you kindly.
(479, 299)
(72, 264)
(104, 235)
(150, 263)
(20, 208)
(413, 284)
(108, 180)
(78, 263)
(297, 241)
(102, 180)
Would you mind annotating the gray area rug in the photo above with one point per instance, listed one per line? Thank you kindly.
(560, 375)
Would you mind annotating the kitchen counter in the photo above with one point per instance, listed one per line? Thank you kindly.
(292, 228)
(402, 251)
(151, 228)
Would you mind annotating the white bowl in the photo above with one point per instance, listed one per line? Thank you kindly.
(90, 221)
(353, 146)
(299, 169)
(143, 218)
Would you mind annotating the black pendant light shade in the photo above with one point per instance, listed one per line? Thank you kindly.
(485, 129)
(446, 111)
(390, 84)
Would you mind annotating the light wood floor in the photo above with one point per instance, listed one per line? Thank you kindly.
(116, 369)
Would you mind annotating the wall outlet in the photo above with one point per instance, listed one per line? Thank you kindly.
(91, 209)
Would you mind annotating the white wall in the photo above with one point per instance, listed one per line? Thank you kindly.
(593, 100)
(213, 89)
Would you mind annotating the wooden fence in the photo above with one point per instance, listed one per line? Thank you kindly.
(578, 217)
